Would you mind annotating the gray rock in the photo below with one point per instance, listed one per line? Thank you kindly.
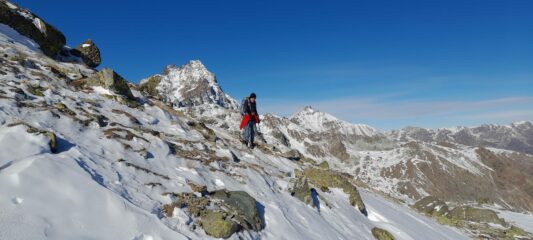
(302, 190)
(244, 208)
(217, 224)
(89, 53)
(111, 80)
(50, 40)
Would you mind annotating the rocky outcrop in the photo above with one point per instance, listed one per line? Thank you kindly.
(243, 208)
(218, 224)
(149, 86)
(111, 80)
(52, 139)
(381, 234)
(481, 223)
(325, 179)
(220, 213)
(89, 53)
(50, 40)
(472, 214)
(431, 205)
(302, 191)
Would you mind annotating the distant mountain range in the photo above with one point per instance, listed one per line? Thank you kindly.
(85, 154)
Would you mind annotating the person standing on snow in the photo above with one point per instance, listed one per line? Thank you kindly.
(250, 117)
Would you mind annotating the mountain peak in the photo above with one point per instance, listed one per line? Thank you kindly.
(308, 109)
(196, 64)
(190, 85)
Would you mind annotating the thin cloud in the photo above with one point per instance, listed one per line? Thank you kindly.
(383, 110)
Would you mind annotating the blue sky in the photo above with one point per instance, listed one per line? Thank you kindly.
(388, 64)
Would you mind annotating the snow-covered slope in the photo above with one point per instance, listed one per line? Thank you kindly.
(190, 85)
(82, 162)
(106, 173)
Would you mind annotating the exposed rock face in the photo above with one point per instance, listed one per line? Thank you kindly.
(431, 206)
(50, 40)
(244, 208)
(481, 223)
(220, 213)
(476, 215)
(187, 86)
(516, 137)
(149, 86)
(457, 174)
(324, 179)
(511, 176)
(89, 53)
(381, 234)
(301, 190)
(111, 80)
(52, 139)
(217, 224)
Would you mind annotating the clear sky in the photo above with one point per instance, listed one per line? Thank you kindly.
(388, 64)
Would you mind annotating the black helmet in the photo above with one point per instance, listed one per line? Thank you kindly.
(253, 95)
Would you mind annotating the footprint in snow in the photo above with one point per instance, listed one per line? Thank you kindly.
(17, 200)
(376, 217)
(219, 183)
(143, 237)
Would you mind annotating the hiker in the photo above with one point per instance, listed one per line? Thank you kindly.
(250, 117)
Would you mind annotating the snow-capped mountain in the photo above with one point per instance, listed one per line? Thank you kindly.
(410, 168)
(83, 156)
(516, 136)
(188, 85)
(316, 121)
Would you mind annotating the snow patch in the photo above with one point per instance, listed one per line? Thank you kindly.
(17, 200)
(11, 5)
(102, 90)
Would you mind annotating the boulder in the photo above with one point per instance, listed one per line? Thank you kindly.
(220, 213)
(196, 206)
(302, 190)
(216, 224)
(111, 80)
(50, 40)
(52, 139)
(324, 178)
(381, 234)
(243, 206)
(89, 53)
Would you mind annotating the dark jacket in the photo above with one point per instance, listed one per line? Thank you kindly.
(249, 107)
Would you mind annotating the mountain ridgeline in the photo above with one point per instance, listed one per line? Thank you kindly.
(86, 154)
